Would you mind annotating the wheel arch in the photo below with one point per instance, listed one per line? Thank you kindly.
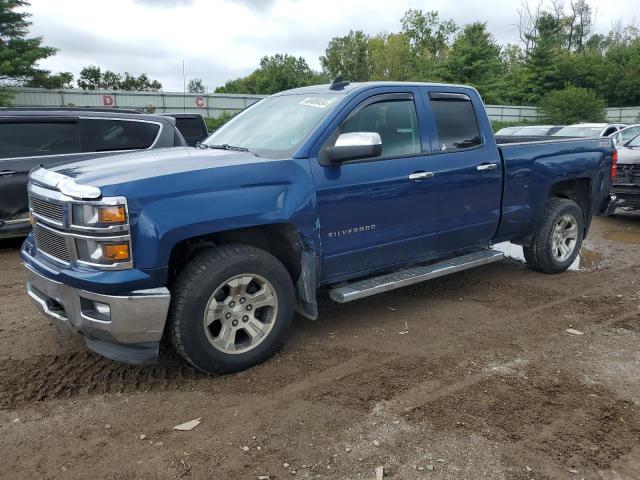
(578, 190)
(282, 240)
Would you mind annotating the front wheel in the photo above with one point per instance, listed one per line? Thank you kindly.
(557, 240)
(232, 308)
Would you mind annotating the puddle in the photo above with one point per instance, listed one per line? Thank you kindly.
(586, 259)
(623, 236)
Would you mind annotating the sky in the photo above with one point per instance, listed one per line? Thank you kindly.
(220, 40)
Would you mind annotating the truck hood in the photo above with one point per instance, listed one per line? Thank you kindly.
(629, 155)
(111, 170)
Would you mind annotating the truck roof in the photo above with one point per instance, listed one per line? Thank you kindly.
(360, 86)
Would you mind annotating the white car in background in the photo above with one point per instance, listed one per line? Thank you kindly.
(626, 134)
(589, 130)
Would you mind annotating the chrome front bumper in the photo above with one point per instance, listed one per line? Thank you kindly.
(138, 318)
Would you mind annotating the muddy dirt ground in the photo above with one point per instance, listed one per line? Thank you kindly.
(468, 377)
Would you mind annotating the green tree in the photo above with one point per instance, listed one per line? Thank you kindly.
(5, 97)
(275, 74)
(541, 65)
(620, 73)
(348, 56)
(427, 34)
(571, 105)
(19, 54)
(429, 41)
(513, 74)
(93, 78)
(45, 80)
(196, 85)
(390, 57)
(474, 58)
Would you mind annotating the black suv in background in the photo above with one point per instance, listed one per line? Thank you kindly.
(30, 137)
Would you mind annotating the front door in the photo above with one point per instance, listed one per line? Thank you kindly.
(380, 211)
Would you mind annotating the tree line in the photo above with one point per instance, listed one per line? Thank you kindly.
(558, 61)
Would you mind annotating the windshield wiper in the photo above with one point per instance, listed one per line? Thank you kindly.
(226, 146)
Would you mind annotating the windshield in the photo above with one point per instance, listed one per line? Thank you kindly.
(635, 142)
(627, 134)
(578, 131)
(275, 126)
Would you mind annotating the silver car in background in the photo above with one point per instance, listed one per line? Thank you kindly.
(586, 130)
(626, 134)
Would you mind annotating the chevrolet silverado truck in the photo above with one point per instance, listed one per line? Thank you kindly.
(356, 188)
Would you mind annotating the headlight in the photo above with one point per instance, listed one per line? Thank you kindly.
(88, 215)
(103, 252)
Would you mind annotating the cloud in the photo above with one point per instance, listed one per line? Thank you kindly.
(164, 3)
(224, 39)
(258, 5)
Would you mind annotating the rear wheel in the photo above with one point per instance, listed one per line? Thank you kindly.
(557, 240)
(232, 308)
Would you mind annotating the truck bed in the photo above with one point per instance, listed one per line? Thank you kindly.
(531, 167)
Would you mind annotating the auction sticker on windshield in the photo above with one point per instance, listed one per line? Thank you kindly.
(316, 102)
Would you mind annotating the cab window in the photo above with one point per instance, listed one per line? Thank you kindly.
(456, 122)
(394, 120)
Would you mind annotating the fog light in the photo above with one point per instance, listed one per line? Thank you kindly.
(96, 310)
(115, 252)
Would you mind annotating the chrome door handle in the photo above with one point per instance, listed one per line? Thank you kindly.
(487, 166)
(420, 175)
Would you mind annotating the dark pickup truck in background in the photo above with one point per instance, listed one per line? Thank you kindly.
(359, 188)
(192, 127)
(49, 137)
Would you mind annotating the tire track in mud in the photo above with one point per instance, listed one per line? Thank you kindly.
(66, 376)
(541, 410)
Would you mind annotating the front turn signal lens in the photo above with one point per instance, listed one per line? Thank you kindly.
(115, 252)
(112, 214)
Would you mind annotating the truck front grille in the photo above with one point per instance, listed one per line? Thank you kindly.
(628, 173)
(51, 243)
(46, 209)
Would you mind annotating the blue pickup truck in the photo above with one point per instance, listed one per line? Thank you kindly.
(359, 188)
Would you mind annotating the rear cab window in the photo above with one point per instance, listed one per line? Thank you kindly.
(456, 122)
(38, 137)
(191, 127)
(103, 134)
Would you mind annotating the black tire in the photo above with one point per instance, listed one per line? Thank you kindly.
(195, 285)
(539, 255)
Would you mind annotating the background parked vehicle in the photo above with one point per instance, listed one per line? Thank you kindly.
(626, 134)
(507, 131)
(586, 130)
(31, 137)
(330, 185)
(626, 185)
(531, 131)
(192, 127)
(538, 130)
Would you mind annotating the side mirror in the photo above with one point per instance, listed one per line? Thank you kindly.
(353, 146)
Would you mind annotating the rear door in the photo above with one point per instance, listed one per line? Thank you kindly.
(468, 170)
(379, 211)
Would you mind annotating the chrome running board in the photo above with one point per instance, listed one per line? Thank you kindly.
(347, 292)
